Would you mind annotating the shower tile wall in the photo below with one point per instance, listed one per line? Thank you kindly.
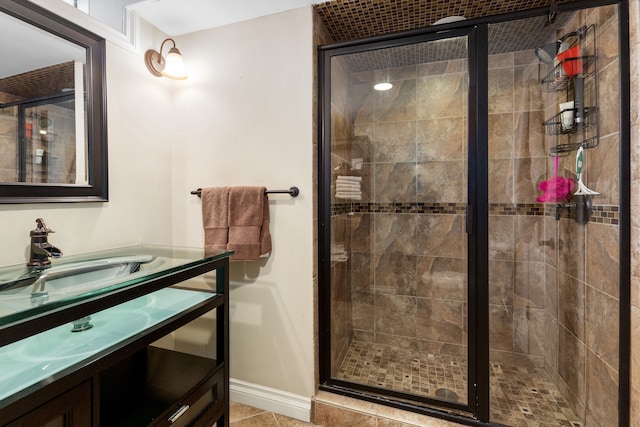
(553, 299)
(582, 299)
(516, 163)
(408, 270)
(341, 292)
(59, 145)
(408, 265)
(59, 166)
(8, 136)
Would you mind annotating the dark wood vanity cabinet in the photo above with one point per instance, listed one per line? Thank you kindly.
(154, 387)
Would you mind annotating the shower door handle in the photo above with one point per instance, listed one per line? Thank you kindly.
(468, 212)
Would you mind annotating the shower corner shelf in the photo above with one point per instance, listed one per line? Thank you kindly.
(572, 75)
(562, 150)
(554, 126)
(558, 79)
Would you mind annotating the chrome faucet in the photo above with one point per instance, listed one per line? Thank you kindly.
(41, 250)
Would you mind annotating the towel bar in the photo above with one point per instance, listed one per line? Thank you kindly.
(293, 192)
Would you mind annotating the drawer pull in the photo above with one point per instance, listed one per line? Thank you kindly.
(173, 418)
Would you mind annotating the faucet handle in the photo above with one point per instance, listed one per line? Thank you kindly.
(42, 227)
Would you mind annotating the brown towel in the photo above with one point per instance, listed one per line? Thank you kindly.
(249, 233)
(237, 219)
(215, 217)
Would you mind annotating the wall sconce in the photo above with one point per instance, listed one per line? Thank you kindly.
(172, 66)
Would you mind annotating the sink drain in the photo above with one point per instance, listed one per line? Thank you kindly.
(82, 324)
(447, 394)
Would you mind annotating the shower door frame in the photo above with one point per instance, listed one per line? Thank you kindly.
(476, 51)
(477, 216)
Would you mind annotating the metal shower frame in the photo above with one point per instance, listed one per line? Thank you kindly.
(477, 220)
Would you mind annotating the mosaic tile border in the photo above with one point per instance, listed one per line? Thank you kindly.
(602, 214)
(399, 208)
(517, 209)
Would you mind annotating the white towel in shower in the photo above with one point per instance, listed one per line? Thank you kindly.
(348, 187)
(348, 197)
(339, 253)
(349, 178)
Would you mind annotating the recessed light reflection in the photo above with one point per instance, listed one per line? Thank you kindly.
(383, 86)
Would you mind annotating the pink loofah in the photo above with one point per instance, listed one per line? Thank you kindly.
(555, 189)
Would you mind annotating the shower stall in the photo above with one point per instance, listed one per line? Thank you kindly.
(448, 285)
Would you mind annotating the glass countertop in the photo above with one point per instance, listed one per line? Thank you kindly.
(34, 292)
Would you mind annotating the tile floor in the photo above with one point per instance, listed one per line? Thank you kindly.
(247, 416)
(520, 396)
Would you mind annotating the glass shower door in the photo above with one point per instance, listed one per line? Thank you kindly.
(398, 197)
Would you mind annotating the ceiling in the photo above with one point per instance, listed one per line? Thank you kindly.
(344, 19)
(36, 49)
(176, 17)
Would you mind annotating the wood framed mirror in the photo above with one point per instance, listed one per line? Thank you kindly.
(53, 126)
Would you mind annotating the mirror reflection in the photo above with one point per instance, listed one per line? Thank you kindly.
(42, 112)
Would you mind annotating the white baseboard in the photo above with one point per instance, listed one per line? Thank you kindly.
(271, 399)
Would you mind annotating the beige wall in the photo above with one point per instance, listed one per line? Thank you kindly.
(244, 117)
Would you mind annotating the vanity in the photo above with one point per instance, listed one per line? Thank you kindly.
(76, 340)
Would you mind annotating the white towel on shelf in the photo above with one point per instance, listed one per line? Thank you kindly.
(348, 187)
(340, 189)
(338, 250)
(349, 178)
(339, 196)
(351, 184)
(338, 253)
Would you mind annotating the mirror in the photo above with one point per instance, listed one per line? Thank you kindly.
(53, 139)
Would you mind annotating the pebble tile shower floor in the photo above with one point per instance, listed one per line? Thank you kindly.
(520, 396)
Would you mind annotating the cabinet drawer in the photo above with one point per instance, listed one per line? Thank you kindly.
(159, 387)
(196, 409)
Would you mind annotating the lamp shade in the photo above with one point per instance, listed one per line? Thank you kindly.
(174, 65)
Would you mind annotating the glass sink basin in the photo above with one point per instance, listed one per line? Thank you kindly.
(36, 358)
(75, 273)
(37, 287)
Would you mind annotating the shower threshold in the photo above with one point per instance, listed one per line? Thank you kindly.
(520, 395)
